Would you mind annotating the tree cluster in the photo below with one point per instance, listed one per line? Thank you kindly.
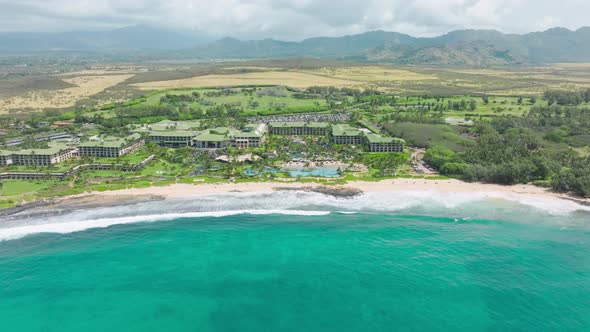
(509, 151)
(566, 97)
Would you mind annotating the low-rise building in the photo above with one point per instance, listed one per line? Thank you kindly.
(166, 125)
(216, 138)
(299, 128)
(252, 136)
(109, 146)
(378, 143)
(172, 139)
(171, 134)
(345, 134)
(5, 158)
(38, 157)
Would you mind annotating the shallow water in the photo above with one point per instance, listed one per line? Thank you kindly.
(301, 262)
(324, 172)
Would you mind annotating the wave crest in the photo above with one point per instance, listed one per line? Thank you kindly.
(497, 206)
(81, 225)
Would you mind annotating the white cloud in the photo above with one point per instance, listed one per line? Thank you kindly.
(294, 19)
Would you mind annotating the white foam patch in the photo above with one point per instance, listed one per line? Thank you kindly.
(13, 233)
(476, 205)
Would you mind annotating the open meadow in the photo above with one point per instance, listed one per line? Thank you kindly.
(104, 84)
(82, 87)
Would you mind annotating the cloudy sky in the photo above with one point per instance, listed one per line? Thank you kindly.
(295, 19)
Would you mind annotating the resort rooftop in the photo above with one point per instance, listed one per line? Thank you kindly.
(56, 148)
(111, 141)
(250, 131)
(209, 136)
(172, 133)
(168, 125)
(374, 138)
(299, 124)
(345, 130)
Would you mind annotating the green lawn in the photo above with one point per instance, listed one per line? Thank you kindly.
(132, 158)
(496, 106)
(584, 151)
(21, 187)
(426, 135)
(265, 102)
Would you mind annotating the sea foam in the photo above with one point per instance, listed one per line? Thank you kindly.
(81, 225)
(490, 205)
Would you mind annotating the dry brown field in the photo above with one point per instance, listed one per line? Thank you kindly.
(104, 84)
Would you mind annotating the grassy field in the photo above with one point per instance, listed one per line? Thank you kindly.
(251, 103)
(426, 135)
(80, 87)
(405, 80)
(584, 151)
(20, 187)
(289, 78)
(16, 191)
(496, 106)
(371, 74)
(104, 84)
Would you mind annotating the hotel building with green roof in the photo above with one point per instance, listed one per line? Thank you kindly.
(345, 134)
(38, 157)
(111, 147)
(299, 128)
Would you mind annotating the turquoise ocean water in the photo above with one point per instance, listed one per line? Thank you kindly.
(300, 262)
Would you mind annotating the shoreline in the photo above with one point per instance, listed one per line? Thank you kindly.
(349, 190)
(537, 196)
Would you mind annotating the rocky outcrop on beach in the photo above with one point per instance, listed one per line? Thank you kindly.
(338, 192)
(60, 205)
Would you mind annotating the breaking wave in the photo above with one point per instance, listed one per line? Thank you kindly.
(12, 233)
(462, 206)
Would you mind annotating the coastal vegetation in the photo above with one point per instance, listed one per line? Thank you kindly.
(506, 139)
(60, 82)
(538, 147)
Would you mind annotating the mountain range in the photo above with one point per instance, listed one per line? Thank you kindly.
(461, 47)
(119, 40)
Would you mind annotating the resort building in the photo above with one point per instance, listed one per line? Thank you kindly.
(5, 158)
(345, 134)
(111, 147)
(378, 143)
(171, 134)
(38, 157)
(166, 125)
(252, 136)
(172, 139)
(216, 138)
(299, 128)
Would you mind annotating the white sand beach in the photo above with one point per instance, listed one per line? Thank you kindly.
(396, 185)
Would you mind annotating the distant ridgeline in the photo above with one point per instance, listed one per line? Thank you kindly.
(462, 47)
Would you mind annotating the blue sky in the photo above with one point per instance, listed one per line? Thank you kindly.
(295, 19)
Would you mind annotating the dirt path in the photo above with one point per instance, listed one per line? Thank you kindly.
(417, 167)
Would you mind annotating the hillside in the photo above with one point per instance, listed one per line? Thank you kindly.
(462, 47)
(128, 38)
(471, 54)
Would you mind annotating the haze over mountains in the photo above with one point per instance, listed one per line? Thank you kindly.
(461, 47)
